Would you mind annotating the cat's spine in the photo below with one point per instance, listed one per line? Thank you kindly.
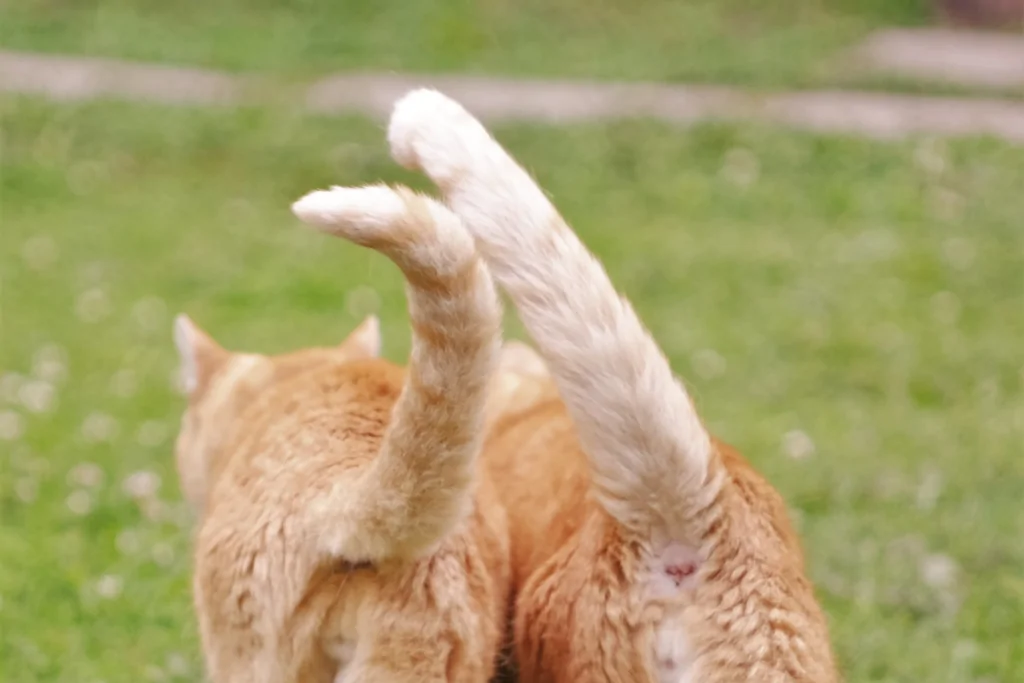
(420, 486)
(652, 459)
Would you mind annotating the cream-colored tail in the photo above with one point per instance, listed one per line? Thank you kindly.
(420, 486)
(651, 457)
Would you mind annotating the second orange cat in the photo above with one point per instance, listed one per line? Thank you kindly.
(643, 549)
(347, 533)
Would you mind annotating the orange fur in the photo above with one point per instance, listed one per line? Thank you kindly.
(347, 531)
(642, 548)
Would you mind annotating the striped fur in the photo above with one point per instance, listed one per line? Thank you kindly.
(347, 530)
(419, 486)
(649, 451)
(686, 567)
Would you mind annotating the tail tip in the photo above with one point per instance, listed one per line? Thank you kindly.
(316, 208)
(414, 113)
(344, 209)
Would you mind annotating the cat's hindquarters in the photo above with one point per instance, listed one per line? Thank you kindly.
(420, 485)
(652, 460)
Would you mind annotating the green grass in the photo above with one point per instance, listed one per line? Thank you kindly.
(867, 299)
(782, 42)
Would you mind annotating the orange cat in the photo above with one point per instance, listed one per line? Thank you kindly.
(642, 548)
(347, 532)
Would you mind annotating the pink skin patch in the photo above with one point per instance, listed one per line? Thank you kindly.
(679, 572)
(674, 569)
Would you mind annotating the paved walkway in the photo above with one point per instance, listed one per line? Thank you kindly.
(968, 58)
(875, 115)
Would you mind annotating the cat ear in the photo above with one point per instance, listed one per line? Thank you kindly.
(200, 356)
(364, 341)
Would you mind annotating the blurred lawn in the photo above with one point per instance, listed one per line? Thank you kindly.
(780, 42)
(850, 314)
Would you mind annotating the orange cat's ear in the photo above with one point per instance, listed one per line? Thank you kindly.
(199, 354)
(364, 341)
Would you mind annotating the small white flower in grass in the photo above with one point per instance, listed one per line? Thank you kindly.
(79, 502)
(26, 489)
(182, 516)
(12, 425)
(987, 391)
(929, 490)
(911, 546)
(155, 510)
(84, 177)
(741, 167)
(39, 252)
(875, 245)
(87, 474)
(150, 314)
(152, 433)
(938, 571)
(50, 363)
(124, 383)
(797, 445)
(37, 396)
(708, 363)
(959, 253)
(154, 673)
(965, 650)
(177, 665)
(93, 305)
(91, 275)
(128, 542)
(945, 307)
(109, 586)
(142, 484)
(946, 205)
(865, 592)
(163, 554)
(23, 460)
(890, 484)
(890, 337)
(931, 156)
(10, 385)
(99, 428)
(362, 301)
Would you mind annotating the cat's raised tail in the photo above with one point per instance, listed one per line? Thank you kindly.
(420, 485)
(652, 460)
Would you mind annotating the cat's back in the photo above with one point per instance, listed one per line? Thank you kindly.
(311, 430)
(316, 421)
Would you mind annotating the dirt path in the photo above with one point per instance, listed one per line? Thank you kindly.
(876, 115)
(967, 58)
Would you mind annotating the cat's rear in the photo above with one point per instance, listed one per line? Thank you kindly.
(347, 532)
(643, 548)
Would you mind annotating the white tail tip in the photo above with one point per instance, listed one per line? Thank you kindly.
(431, 132)
(344, 209)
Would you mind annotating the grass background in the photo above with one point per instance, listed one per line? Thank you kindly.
(848, 313)
(782, 42)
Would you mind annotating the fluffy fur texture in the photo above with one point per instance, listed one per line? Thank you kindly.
(347, 532)
(682, 567)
